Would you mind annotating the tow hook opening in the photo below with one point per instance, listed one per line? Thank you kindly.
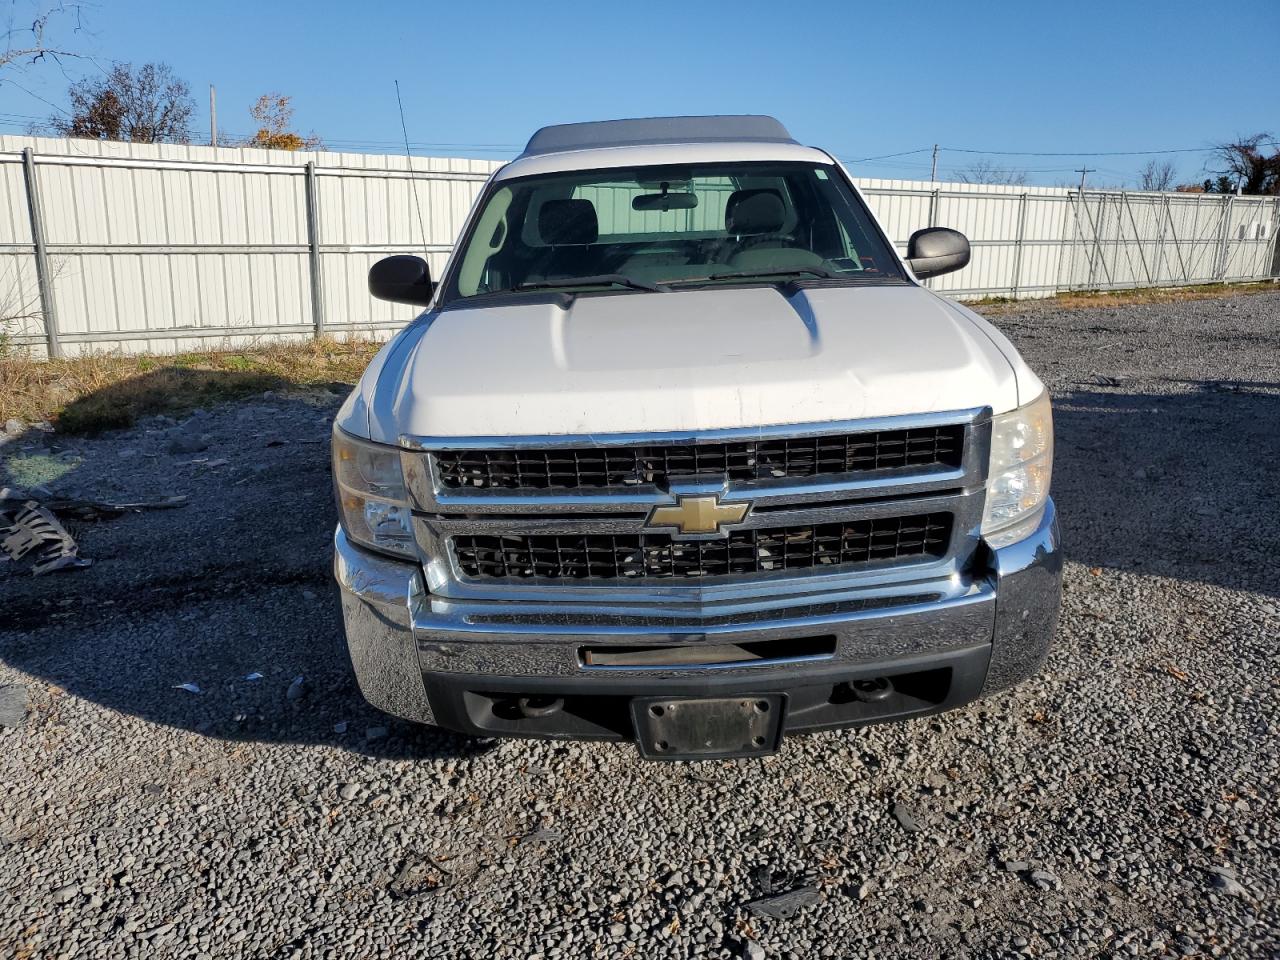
(527, 707)
(870, 689)
(539, 706)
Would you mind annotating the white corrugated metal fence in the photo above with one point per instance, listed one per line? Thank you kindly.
(165, 248)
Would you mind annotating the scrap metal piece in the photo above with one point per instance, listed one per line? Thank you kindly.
(35, 528)
(783, 906)
(418, 876)
(94, 509)
(779, 903)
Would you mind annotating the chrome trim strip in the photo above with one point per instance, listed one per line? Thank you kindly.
(899, 422)
(803, 514)
(550, 612)
(441, 625)
(734, 665)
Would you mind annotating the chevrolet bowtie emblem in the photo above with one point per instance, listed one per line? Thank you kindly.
(697, 514)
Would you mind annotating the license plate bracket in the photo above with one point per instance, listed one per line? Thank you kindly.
(708, 728)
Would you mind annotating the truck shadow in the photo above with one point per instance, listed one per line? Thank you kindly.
(1181, 484)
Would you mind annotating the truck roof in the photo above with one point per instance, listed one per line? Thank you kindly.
(656, 141)
(746, 128)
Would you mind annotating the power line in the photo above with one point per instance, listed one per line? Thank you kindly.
(887, 156)
(1046, 153)
(1094, 153)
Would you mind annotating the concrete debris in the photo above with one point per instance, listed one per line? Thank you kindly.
(13, 705)
(543, 835)
(906, 817)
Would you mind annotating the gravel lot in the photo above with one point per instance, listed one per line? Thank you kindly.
(1123, 804)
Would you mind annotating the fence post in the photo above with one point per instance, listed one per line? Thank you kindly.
(1275, 241)
(933, 218)
(1226, 227)
(1017, 248)
(43, 279)
(1077, 237)
(1177, 242)
(313, 251)
(1159, 257)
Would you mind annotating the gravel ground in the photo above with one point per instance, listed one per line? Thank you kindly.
(1122, 804)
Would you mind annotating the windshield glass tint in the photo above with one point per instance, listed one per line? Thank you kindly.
(671, 225)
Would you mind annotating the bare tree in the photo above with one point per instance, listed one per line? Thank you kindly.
(1252, 163)
(986, 171)
(27, 42)
(273, 112)
(149, 105)
(1157, 175)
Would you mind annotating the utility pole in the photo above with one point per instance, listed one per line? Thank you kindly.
(933, 174)
(213, 116)
(1082, 171)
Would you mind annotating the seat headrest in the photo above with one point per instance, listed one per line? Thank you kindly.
(754, 211)
(568, 222)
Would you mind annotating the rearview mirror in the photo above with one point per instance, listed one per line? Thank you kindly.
(665, 201)
(935, 251)
(401, 279)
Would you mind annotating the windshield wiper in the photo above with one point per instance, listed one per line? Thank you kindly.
(820, 273)
(599, 280)
(790, 274)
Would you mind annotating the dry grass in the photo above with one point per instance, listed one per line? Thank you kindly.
(88, 394)
(1092, 299)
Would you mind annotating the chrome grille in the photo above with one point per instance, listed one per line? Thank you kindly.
(832, 546)
(578, 468)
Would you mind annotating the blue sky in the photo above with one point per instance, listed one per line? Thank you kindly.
(862, 80)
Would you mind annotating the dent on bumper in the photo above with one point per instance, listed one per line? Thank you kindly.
(394, 638)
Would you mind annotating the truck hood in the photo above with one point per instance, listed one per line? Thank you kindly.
(684, 361)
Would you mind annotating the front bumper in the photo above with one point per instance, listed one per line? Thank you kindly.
(938, 644)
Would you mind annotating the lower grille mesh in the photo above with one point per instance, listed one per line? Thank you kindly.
(662, 556)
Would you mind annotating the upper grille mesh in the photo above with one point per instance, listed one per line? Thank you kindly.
(662, 556)
(595, 467)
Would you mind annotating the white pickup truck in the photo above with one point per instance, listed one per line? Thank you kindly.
(681, 452)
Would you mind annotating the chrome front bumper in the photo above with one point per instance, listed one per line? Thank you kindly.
(999, 619)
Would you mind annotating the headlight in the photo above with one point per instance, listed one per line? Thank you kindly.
(1021, 465)
(372, 503)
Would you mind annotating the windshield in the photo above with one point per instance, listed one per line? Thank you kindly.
(653, 228)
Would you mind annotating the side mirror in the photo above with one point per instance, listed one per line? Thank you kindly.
(935, 251)
(401, 279)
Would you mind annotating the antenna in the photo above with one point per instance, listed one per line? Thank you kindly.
(422, 227)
